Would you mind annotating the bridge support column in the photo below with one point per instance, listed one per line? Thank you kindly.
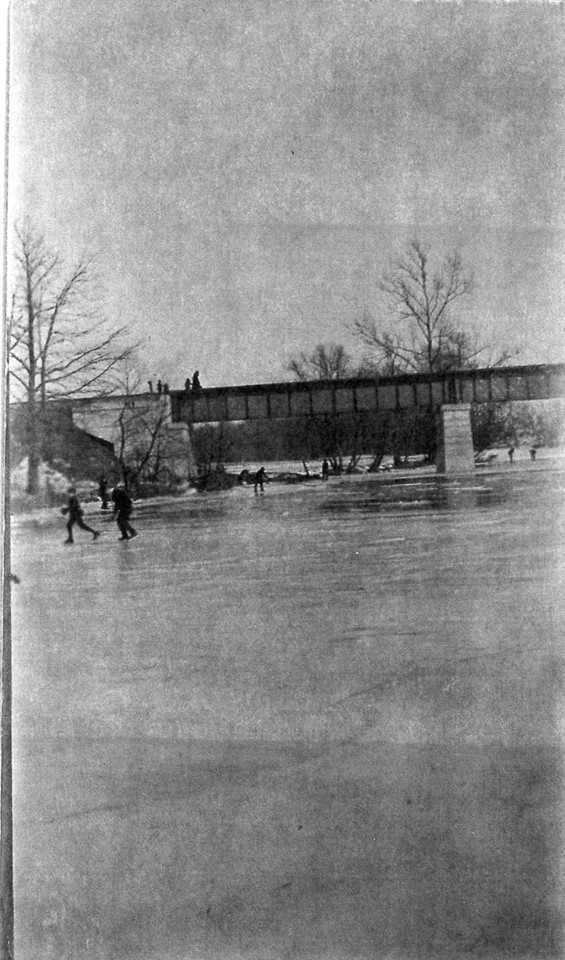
(455, 440)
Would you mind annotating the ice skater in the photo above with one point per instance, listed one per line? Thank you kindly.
(325, 470)
(259, 479)
(103, 492)
(123, 506)
(75, 514)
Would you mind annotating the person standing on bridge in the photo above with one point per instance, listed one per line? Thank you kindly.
(196, 385)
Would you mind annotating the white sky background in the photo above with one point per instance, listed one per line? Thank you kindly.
(244, 169)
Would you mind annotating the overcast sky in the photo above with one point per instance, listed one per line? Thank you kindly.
(244, 169)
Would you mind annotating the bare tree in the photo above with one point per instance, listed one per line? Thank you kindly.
(332, 432)
(424, 338)
(326, 362)
(139, 429)
(214, 443)
(59, 346)
(148, 446)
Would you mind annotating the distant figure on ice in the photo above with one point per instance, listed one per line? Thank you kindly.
(533, 453)
(123, 506)
(325, 470)
(103, 492)
(259, 480)
(196, 385)
(75, 512)
(511, 454)
(187, 385)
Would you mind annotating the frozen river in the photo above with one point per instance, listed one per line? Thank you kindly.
(319, 723)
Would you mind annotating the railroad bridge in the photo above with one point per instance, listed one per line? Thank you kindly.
(450, 395)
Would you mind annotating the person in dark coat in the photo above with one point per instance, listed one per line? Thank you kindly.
(325, 470)
(123, 506)
(75, 512)
(103, 492)
(259, 479)
(196, 385)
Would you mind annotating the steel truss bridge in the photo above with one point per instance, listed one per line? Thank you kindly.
(275, 401)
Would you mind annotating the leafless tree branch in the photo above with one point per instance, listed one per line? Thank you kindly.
(326, 362)
(423, 337)
(59, 343)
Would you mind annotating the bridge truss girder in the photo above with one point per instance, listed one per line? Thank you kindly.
(368, 394)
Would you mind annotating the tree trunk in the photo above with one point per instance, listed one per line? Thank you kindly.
(32, 428)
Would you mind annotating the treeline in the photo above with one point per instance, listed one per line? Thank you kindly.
(343, 438)
(537, 423)
(63, 347)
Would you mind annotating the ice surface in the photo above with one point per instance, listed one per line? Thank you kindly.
(323, 722)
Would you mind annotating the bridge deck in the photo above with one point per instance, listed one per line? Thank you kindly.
(272, 401)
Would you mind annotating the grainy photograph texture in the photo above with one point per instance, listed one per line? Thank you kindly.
(285, 469)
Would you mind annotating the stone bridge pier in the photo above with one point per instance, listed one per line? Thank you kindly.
(455, 452)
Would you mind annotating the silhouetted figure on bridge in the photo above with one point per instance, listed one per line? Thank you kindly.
(159, 386)
(196, 385)
(187, 385)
